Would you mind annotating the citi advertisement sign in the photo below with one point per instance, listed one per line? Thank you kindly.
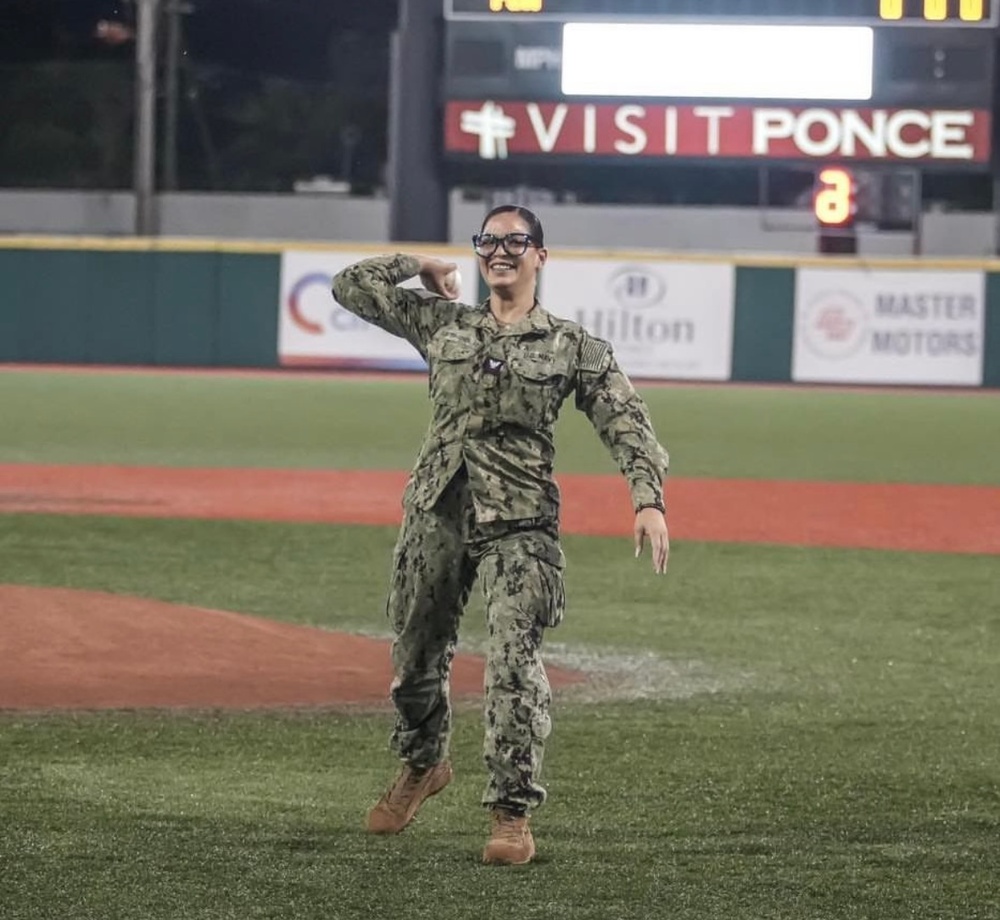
(498, 131)
(315, 331)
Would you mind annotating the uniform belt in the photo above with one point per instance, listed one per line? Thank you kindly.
(489, 529)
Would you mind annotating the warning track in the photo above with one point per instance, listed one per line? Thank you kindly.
(926, 518)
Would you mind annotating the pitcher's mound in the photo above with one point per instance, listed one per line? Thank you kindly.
(66, 649)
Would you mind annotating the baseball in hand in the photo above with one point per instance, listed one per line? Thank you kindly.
(453, 282)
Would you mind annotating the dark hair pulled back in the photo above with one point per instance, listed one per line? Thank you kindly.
(529, 217)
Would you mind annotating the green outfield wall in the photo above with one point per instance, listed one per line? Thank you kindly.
(112, 304)
(219, 304)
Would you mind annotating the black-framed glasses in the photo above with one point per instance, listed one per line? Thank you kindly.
(514, 244)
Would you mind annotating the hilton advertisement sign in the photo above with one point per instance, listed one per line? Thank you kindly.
(664, 319)
(507, 130)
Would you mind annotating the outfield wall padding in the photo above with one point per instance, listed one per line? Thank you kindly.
(168, 308)
(212, 304)
(763, 321)
(991, 357)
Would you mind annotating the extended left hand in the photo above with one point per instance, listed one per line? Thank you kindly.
(649, 522)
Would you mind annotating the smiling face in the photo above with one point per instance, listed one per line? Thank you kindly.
(510, 275)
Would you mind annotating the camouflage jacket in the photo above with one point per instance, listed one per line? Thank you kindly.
(496, 391)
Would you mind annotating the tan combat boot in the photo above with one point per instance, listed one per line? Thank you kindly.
(510, 843)
(403, 798)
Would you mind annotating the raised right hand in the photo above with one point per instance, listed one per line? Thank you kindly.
(434, 276)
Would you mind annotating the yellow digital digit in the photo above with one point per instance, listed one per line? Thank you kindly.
(891, 9)
(971, 10)
(516, 6)
(936, 10)
(834, 204)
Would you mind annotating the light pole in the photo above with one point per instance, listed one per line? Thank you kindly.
(144, 163)
(174, 10)
(418, 195)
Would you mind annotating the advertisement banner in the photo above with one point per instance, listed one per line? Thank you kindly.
(501, 130)
(314, 330)
(899, 327)
(668, 320)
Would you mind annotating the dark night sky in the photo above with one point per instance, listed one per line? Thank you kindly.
(317, 44)
(287, 37)
(269, 63)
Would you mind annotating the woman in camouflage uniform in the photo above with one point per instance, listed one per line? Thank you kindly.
(482, 501)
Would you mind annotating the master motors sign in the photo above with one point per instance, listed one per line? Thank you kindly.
(894, 327)
(668, 320)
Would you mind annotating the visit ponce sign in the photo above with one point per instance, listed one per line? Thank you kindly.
(500, 130)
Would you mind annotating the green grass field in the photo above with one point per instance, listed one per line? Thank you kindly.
(334, 424)
(822, 738)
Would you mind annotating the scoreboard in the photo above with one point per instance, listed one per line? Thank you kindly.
(874, 81)
(864, 12)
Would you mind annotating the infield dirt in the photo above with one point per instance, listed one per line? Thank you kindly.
(75, 649)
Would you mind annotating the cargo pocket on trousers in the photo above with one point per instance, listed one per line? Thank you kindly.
(395, 609)
(552, 563)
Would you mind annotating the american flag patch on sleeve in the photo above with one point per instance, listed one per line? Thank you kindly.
(594, 355)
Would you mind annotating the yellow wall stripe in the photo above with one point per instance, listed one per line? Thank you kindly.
(275, 247)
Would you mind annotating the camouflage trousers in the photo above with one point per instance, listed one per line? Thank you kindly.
(519, 565)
